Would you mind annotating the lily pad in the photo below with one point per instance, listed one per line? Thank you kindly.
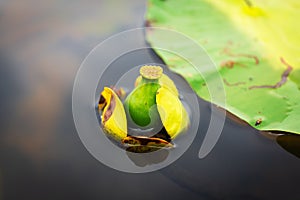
(255, 46)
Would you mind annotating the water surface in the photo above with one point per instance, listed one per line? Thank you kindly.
(41, 155)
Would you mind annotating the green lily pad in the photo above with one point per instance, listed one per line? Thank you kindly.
(256, 47)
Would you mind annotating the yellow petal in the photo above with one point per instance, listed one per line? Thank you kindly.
(113, 116)
(165, 81)
(172, 113)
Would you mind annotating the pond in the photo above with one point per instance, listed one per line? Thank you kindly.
(41, 154)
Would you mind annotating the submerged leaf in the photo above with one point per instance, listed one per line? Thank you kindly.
(291, 143)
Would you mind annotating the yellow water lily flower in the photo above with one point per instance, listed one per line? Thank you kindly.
(153, 88)
(153, 103)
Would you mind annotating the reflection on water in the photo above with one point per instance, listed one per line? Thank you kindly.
(41, 156)
(143, 159)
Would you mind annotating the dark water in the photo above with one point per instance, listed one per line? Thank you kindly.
(41, 155)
